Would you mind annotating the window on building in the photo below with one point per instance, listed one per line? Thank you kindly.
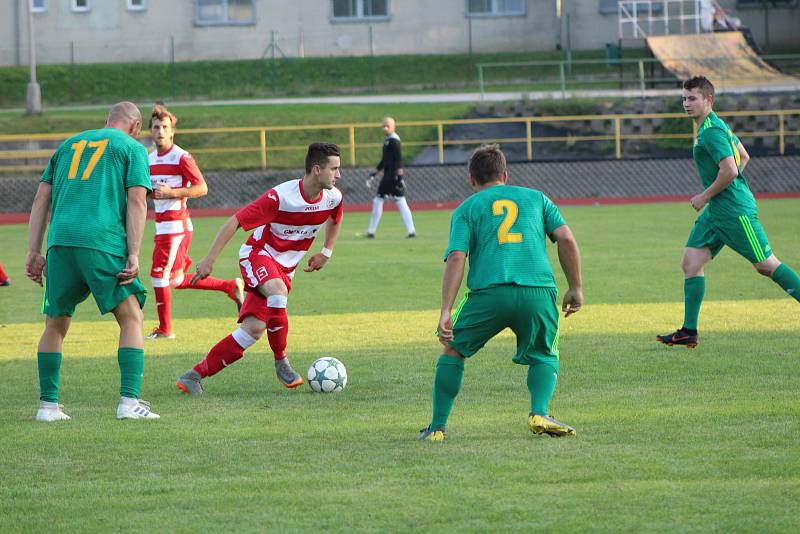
(360, 9)
(137, 5)
(495, 8)
(38, 6)
(224, 12)
(753, 4)
(81, 6)
(609, 7)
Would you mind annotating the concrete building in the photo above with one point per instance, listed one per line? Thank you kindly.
(100, 31)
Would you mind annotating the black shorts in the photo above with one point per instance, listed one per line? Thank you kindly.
(392, 187)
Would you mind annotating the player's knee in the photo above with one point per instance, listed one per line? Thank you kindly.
(766, 268)
(691, 268)
(254, 327)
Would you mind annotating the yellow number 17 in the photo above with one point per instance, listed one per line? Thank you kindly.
(76, 158)
(499, 207)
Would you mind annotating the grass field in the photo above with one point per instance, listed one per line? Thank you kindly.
(668, 439)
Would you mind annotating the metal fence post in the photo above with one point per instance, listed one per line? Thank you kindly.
(781, 133)
(480, 79)
(563, 79)
(352, 131)
(173, 74)
(618, 137)
(263, 148)
(440, 132)
(641, 76)
(529, 138)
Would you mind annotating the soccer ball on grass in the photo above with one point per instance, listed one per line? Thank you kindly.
(327, 375)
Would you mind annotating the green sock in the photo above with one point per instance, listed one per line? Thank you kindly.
(785, 277)
(542, 379)
(131, 367)
(446, 385)
(49, 375)
(694, 289)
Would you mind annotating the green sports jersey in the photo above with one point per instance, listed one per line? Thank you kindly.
(90, 174)
(502, 230)
(715, 142)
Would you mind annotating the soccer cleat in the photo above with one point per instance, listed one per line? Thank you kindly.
(545, 424)
(135, 409)
(412, 235)
(370, 236)
(286, 374)
(5, 283)
(51, 411)
(159, 334)
(191, 383)
(679, 337)
(237, 295)
(434, 436)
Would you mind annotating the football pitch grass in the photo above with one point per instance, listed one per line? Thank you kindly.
(668, 439)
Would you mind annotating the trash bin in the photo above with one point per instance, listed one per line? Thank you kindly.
(612, 54)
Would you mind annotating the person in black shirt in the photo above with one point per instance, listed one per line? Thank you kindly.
(392, 184)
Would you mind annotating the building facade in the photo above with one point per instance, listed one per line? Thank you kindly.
(106, 31)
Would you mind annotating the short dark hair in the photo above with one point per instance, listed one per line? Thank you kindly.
(161, 112)
(702, 83)
(318, 154)
(487, 163)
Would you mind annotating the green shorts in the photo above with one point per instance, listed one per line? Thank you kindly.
(743, 234)
(530, 312)
(74, 272)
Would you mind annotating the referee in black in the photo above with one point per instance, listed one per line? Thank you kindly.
(392, 184)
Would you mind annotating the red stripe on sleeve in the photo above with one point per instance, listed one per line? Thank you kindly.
(259, 212)
(190, 170)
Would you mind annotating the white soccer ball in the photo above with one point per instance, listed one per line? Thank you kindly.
(327, 375)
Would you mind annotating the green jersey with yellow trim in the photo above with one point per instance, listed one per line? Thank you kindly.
(90, 174)
(715, 142)
(503, 231)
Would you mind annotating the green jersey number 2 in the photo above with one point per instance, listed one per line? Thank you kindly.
(510, 210)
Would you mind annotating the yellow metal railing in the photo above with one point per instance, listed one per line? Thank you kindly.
(261, 146)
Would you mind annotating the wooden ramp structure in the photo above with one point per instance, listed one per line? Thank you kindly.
(725, 58)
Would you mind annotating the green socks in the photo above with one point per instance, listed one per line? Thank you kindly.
(49, 375)
(694, 289)
(446, 385)
(785, 277)
(541, 383)
(131, 367)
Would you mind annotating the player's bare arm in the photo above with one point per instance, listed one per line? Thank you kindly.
(165, 191)
(134, 227)
(569, 256)
(35, 262)
(206, 265)
(451, 282)
(744, 157)
(318, 260)
(727, 173)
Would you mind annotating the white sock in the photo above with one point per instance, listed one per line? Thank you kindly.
(375, 217)
(244, 339)
(405, 213)
(128, 401)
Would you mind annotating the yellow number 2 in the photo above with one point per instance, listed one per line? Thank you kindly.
(76, 158)
(510, 209)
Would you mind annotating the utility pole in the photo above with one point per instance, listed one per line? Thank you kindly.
(34, 97)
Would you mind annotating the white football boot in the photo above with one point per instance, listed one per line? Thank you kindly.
(51, 411)
(135, 409)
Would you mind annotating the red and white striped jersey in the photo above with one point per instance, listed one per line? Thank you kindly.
(286, 222)
(175, 168)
